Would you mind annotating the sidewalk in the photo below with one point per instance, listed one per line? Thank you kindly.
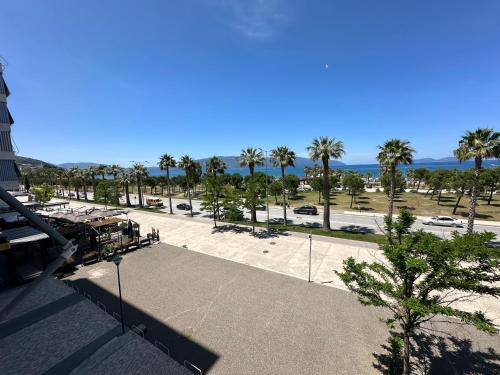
(284, 253)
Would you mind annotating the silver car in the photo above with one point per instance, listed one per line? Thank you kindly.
(445, 221)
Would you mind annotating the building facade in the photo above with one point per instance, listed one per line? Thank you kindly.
(9, 173)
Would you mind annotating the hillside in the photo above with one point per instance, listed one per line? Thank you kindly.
(80, 165)
(26, 162)
(449, 159)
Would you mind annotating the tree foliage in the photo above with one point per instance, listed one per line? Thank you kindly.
(43, 194)
(423, 276)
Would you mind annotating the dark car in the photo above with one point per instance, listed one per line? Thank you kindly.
(183, 206)
(306, 209)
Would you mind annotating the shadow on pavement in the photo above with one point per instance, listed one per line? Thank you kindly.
(181, 347)
(259, 233)
(437, 355)
(357, 229)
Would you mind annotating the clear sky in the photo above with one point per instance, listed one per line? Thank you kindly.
(115, 81)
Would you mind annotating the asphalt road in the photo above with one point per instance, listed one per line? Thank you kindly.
(370, 224)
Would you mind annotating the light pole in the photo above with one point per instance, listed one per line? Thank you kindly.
(267, 187)
(310, 256)
(116, 260)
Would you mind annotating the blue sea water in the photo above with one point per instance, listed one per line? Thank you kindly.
(360, 168)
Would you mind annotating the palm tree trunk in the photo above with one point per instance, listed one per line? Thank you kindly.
(326, 197)
(168, 191)
(492, 189)
(439, 196)
(418, 186)
(189, 195)
(352, 198)
(85, 190)
(139, 192)
(473, 198)
(127, 194)
(284, 194)
(391, 193)
(252, 209)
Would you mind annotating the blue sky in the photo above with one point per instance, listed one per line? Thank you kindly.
(115, 81)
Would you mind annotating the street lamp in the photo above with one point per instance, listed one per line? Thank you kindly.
(267, 187)
(117, 260)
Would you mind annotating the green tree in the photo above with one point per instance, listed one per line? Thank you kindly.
(126, 179)
(213, 192)
(233, 203)
(291, 184)
(275, 189)
(139, 172)
(255, 188)
(480, 144)
(324, 149)
(26, 182)
(398, 181)
(422, 276)
(460, 182)
(354, 183)
(317, 185)
(251, 157)
(392, 153)
(236, 180)
(107, 193)
(490, 179)
(166, 162)
(43, 193)
(283, 157)
(189, 167)
(439, 180)
(420, 175)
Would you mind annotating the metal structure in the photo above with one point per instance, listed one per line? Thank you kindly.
(68, 247)
(9, 173)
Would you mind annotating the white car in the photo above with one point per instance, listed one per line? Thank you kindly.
(304, 188)
(446, 221)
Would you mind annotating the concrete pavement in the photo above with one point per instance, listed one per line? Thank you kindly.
(284, 253)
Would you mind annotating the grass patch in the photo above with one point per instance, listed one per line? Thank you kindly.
(348, 235)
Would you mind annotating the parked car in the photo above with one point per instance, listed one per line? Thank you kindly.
(446, 221)
(304, 188)
(154, 202)
(71, 194)
(183, 206)
(307, 209)
(260, 207)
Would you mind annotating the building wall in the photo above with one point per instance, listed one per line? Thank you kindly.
(9, 173)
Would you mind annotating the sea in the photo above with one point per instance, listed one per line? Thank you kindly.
(359, 168)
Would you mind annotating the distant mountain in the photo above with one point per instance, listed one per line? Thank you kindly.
(25, 162)
(450, 159)
(81, 165)
(232, 162)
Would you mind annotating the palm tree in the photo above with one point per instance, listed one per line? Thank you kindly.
(102, 169)
(93, 172)
(85, 175)
(215, 165)
(166, 162)
(139, 171)
(283, 157)
(188, 165)
(61, 175)
(114, 170)
(251, 157)
(392, 153)
(126, 179)
(324, 148)
(75, 176)
(480, 144)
